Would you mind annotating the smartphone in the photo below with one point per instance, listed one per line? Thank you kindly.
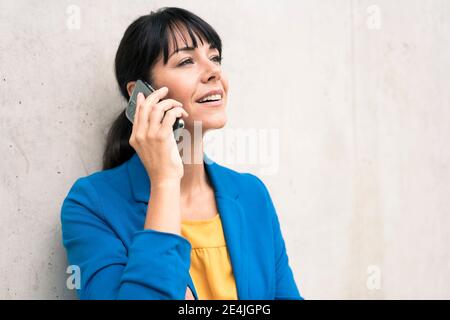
(147, 89)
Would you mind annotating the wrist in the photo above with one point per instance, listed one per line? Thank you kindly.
(165, 183)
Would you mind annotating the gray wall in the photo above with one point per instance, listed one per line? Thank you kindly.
(355, 93)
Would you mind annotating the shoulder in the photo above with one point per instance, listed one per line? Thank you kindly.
(254, 199)
(247, 184)
(87, 190)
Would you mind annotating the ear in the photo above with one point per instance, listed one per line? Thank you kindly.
(130, 87)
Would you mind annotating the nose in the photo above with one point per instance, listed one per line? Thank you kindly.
(212, 73)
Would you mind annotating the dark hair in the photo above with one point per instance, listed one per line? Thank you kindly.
(143, 43)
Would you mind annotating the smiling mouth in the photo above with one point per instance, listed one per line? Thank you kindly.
(211, 96)
(208, 101)
(211, 103)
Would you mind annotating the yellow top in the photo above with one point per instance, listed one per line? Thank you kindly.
(211, 268)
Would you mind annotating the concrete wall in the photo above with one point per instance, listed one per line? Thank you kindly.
(356, 94)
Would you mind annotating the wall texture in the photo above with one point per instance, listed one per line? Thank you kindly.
(356, 91)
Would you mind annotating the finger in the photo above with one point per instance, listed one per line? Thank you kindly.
(154, 97)
(159, 110)
(148, 104)
(169, 119)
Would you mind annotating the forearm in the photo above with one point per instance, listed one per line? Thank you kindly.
(163, 211)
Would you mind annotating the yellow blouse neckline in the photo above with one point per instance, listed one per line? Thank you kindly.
(205, 233)
(200, 221)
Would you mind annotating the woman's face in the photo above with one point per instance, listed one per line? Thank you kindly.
(190, 75)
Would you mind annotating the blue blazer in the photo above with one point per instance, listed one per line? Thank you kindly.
(103, 232)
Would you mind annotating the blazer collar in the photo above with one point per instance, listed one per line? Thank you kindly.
(230, 210)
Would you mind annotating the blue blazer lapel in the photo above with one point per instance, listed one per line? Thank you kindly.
(232, 216)
(233, 224)
(230, 210)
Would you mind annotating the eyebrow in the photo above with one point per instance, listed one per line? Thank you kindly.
(189, 49)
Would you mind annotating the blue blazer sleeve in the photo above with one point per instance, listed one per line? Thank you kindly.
(156, 265)
(285, 289)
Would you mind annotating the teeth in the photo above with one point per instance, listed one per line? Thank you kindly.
(211, 97)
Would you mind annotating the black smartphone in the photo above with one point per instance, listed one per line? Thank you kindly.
(147, 89)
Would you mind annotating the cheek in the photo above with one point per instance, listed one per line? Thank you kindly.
(225, 83)
(184, 89)
(180, 93)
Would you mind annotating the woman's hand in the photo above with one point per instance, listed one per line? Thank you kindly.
(152, 136)
(189, 295)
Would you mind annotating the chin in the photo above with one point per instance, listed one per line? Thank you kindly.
(218, 123)
(211, 122)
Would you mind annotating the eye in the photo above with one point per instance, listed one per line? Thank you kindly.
(189, 60)
(218, 59)
(184, 62)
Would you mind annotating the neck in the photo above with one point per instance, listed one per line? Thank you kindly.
(195, 179)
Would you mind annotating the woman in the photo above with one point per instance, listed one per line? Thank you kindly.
(152, 225)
